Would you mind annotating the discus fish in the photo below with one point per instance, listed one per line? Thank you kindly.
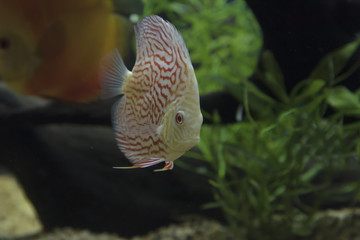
(158, 117)
(52, 48)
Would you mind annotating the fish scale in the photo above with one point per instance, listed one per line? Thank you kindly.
(158, 118)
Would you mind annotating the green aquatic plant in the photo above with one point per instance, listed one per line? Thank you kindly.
(264, 170)
(271, 172)
(223, 38)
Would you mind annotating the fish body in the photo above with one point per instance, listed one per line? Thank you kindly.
(55, 46)
(158, 117)
(18, 56)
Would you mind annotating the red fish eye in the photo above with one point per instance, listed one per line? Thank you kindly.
(179, 118)
(4, 43)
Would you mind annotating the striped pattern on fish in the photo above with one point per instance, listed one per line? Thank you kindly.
(158, 118)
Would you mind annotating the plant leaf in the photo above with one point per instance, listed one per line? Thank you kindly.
(312, 88)
(344, 100)
(272, 76)
(334, 62)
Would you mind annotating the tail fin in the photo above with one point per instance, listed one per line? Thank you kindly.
(112, 74)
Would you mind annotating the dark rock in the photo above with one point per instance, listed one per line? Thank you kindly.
(67, 173)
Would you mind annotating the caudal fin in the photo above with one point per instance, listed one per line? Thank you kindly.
(112, 74)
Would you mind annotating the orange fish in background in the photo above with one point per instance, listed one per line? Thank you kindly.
(52, 48)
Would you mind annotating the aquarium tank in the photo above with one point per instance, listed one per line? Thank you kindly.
(278, 156)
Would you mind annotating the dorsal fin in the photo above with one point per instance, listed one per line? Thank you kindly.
(112, 74)
(155, 35)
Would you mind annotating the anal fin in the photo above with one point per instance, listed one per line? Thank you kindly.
(150, 162)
